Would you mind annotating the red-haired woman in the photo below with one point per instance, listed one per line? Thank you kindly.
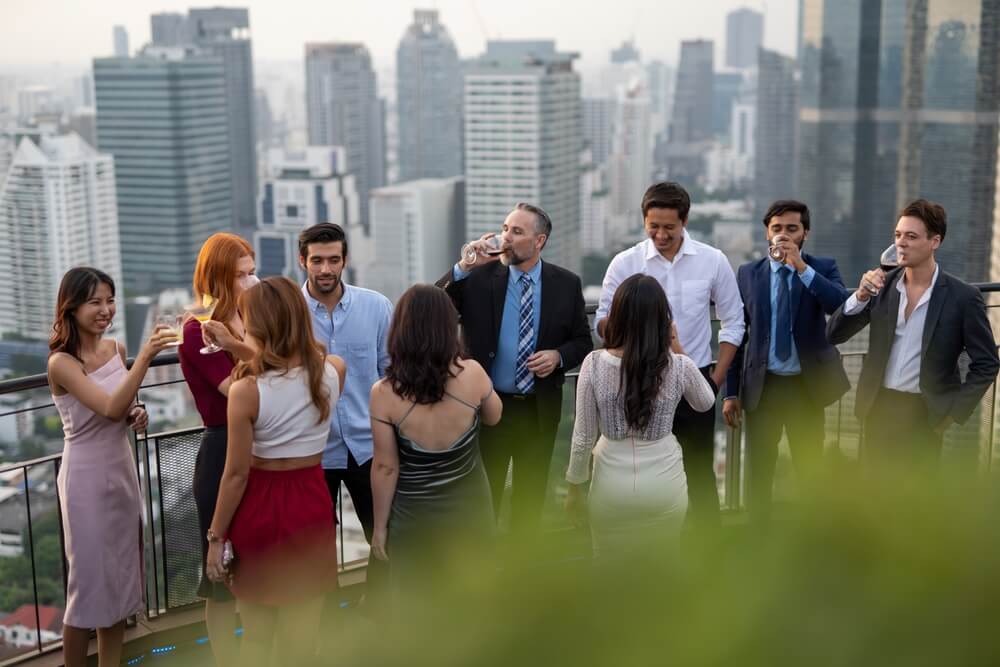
(98, 487)
(224, 269)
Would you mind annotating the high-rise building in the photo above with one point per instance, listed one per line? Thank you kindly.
(899, 99)
(661, 94)
(417, 228)
(164, 116)
(595, 205)
(625, 53)
(120, 37)
(169, 29)
(744, 35)
(57, 210)
(726, 88)
(34, 100)
(343, 109)
(225, 32)
(691, 119)
(776, 121)
(630, 166)
(83, 121)
(598, 126)
(302, 188)
(429, 100)
(523, 137)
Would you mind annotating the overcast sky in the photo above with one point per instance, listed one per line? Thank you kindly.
(41, 32)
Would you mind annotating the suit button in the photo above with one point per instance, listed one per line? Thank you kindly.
(492, 355)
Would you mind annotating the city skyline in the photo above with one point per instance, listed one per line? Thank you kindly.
(280, 29)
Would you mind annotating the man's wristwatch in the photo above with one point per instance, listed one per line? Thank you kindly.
(211, 537)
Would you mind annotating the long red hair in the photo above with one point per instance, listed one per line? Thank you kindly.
(215, 272)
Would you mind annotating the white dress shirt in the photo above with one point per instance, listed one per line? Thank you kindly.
(902, 371)
(698, 275)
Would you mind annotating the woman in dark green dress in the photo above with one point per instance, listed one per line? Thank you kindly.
(433, 509)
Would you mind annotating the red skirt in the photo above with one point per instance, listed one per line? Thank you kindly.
(284, 537)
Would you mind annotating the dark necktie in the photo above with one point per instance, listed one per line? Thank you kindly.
(783, 330)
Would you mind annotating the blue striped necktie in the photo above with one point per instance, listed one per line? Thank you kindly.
(524, 379)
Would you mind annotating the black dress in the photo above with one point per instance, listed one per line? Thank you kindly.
(442, 514)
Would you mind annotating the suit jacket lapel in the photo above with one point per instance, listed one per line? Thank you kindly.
(762, 288)
(547, 300)
(499, 293)
(938, 297)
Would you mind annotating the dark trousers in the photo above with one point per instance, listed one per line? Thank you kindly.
(784, 406)
(526, 435)
(695, 432)
(898, 432)
(358, 480)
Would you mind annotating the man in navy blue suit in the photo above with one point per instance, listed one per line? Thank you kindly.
(785, 373)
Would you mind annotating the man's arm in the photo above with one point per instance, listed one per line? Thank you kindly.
(983, 362)
(828, 288)
(613, 277)
(735, 373)
(850, 318)
(729, 308)
(580, 343)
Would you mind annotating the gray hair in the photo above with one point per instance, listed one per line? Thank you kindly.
(543, 224)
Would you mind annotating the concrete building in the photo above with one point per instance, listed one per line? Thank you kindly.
(164, 117)
(523, 137)
(429, 100)
(417, 229)
(58, 209)
(343, 109)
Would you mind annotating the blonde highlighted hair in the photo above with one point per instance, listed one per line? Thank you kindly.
(275, 315)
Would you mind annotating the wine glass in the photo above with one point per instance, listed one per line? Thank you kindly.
(775, 251)
(173, 318)
(492, 246)
(887, 261)
(202, 311)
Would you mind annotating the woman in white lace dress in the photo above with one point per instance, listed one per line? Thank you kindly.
(626, 397)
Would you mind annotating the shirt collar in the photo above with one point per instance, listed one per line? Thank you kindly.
(687, 248)
(534, 273)
(314, 305)
(902, 287)
(776, 266)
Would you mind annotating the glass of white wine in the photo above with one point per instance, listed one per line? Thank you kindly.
(202, 311)
(172, 317)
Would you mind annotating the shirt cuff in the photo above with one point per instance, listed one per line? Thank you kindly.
(807, 276)
(852, 306)
(458, 274)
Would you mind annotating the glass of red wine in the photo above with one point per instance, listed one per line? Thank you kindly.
(492, 246)
(888, 261)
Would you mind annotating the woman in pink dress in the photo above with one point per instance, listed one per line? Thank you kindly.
(98, 486)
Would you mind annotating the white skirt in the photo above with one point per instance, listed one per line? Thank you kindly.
(638, 494)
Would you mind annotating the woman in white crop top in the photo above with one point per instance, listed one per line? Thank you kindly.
(274, 505)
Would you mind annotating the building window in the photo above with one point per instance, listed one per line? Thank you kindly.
(292, 211)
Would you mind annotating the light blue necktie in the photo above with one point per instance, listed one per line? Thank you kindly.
(524, 379)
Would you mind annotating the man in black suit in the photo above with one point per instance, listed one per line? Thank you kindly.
(922, 319)
(524, 321)
(785, 373)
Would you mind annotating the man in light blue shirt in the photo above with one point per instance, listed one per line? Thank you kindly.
(353, 323)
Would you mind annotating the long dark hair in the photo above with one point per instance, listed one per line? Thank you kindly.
(76, 287)
(640, 324)
(423, 344)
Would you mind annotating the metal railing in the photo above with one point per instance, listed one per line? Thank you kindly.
(165, 464)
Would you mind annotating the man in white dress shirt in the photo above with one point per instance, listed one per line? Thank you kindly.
(693, 275)
(922, 319)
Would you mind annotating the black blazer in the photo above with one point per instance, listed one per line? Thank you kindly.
(823, 373)
(562, 324)
(956, 322)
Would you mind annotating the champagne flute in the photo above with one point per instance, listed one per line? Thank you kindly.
(492, 246)
(202, 311)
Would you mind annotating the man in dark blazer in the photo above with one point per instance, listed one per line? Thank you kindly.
(524, 321)
(785, 373)
(922, 319)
